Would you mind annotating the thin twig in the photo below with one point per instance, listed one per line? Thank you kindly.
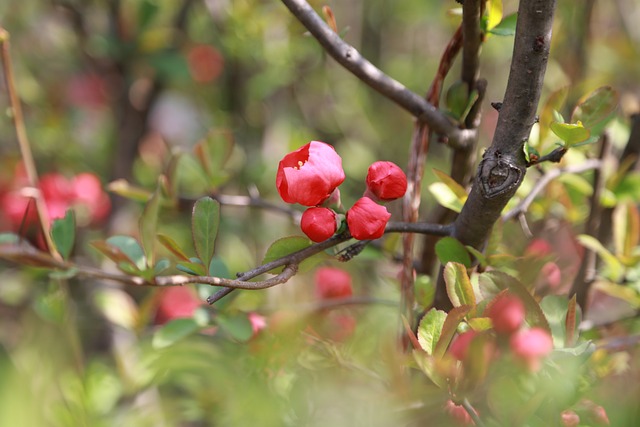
(23, 141)
(544, 180)
(472, 413)
(347, 56)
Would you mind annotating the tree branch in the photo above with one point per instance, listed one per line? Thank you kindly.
(347, 56)
(503, 166)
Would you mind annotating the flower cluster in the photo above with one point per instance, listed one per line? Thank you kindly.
(507, 313)
(311, 175)
(83, 193)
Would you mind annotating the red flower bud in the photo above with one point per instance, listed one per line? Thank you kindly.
(332, 283)
(367, 219)
(386, 180)
(310, 174)
(531, 345)
(318, 223)
(507, 313)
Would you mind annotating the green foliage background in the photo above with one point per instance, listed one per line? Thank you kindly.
(80, 352)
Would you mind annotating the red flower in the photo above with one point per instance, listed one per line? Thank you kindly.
(531, 345)
(507, 313)
(460, 345)
(87, 190)
(176, 302)
(318, 223)
(386, 180)
(332, 283)
(367, 219)
(310, 174)
(205, 63)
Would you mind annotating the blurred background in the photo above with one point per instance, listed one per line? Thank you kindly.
(128, 90)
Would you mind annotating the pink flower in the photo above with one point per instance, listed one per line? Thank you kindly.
(332, 283)
(507, 313)
(569, 419)
(310, 174)
(531, 345)
(318, 223)
(176, 302)
(459, 414)
(460, 345)
(367, 219)
(87, 190)
(538, 248)
(386, 181)
(258, 322)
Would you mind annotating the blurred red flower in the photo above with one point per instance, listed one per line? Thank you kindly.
(310, 174)
(367, 219)
(205, 63)
(333, 283)
(386, 180)
(506, 313)
(176, 302)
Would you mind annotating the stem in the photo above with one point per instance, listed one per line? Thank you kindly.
(23, 141)
(347, 56)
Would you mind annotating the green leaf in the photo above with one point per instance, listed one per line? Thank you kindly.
(494, 14)
(218, 268)
(506, 27)
(130, 248)
(148, 225)
(288, 245)
(615, 267)
(194, 267)
(624, 293)
(430, 329)
(449, 328)
(482, 260)
(172, 246)
(63, 233)
(626, 229)
(492, 283)
(122, 188)
(555, 309)
(213, 152)
(596, 108)
(554, 102)
(425, 290)
(455, 187)
(570, 133)
(456, 99)
(459, 287)
(174, 331)
(449, 249)
(446, 197)
(147, 10)
(237, 326)
(204, 227)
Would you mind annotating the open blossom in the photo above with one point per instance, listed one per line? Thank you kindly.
(367, 219)
(310, 174)
(318, 223)
(332, 283)
(386, 180)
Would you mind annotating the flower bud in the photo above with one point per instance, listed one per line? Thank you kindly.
(318, 223)
(367, 219)
(386, 181)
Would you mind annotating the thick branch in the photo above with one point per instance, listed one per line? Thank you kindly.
(347, 56)
(503, 166)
